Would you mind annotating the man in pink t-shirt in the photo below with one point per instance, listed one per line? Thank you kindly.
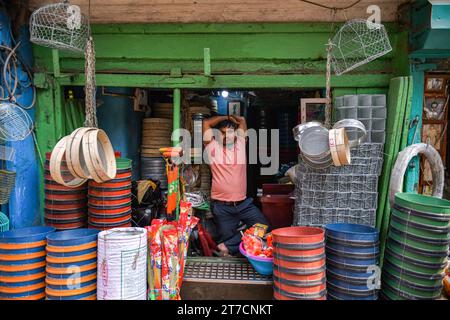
(226, 155)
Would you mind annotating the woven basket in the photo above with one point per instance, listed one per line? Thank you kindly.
(7, 181)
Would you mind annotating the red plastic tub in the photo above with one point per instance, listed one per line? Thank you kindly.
(299, 235)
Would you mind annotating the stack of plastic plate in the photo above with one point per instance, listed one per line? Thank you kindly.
(72, 265)
(22, 263)
(110, 202)
(65, 208)
(352, 261)
(154, 168)
(417, 248)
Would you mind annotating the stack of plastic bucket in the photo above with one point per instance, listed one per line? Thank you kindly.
(417, 247)
(22, 263)
(352, 261)
(65, 208)
(110, 202)
(72, 265)
(299, 263)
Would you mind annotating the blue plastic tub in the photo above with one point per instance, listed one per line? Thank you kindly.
(71, 254)
(71, 275)
(351, 249)
(71, 264)
(22, 251)
(21, 262)
(72, 237)
(352, 261)
(352, 232)
(25, 235)
(71, 286)
(22, 294)
(21, 273)
(75, 297)
(262, 265)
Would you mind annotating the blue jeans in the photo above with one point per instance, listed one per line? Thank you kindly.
(228, 217)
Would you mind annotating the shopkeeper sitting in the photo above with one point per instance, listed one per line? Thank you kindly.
(226, 152)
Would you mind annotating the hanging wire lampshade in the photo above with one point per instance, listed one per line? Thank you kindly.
(358, 42)
(60, 26)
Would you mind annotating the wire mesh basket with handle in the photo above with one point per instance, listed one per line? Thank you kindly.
(15, 123)
(356, 43)
(60, 26)
(7, 181)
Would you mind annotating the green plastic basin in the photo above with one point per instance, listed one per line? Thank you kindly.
(423, 203)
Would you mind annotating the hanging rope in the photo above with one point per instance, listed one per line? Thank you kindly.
(328, 86)
(90, 85)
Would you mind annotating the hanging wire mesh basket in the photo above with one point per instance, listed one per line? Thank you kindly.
(4, 222)
(60, 26)
(7, 181)
(356, 43)
(15, 123)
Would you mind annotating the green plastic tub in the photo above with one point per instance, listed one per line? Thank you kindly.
(426, 204)
(414, 292)
(416, 230)
(123, 163)
(416, 242)
(403, 251)
(430, 253)
(429, 281)
(391, 290)
(430, 220)
(412, 265)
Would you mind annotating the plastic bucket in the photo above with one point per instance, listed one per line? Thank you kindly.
(354, 233)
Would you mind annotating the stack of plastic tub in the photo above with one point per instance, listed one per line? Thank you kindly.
(299, 263)
(22, 263)
(352, 261)
(72, 265)
(417, 248)
(110, 202)
(65, 208)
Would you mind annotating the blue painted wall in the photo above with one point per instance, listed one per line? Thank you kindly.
(23, 207)
(117, 117)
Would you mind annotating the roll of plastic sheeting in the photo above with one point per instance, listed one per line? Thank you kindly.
(403, 159)
(122, 264)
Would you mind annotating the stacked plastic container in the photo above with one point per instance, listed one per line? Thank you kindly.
(154, 168)
(299, 263)
(110, 202)
(352, 262)
(417, 247)
(22, 263)
(65, 208)
(72, 265)
(369, 109)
